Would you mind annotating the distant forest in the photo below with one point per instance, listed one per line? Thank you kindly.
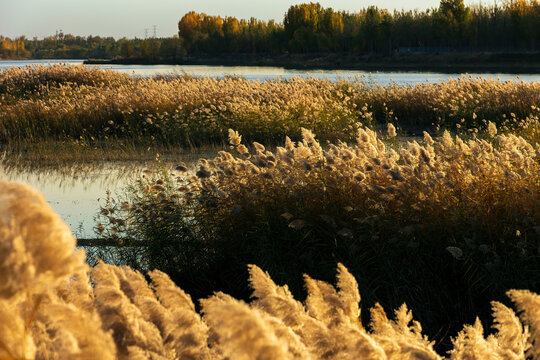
(513, 26)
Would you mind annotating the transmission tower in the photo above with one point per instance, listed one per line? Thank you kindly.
(146, 33)
(155, 30)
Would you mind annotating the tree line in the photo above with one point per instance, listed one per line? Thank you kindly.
(513, 25)
(307, 28)
(67, 46)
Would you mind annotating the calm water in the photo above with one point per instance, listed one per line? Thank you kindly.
(76, 193)
(75, 197)
(266, 72)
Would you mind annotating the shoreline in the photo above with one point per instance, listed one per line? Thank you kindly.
(452, 63)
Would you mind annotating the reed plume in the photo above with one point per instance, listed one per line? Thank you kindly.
(59, 308)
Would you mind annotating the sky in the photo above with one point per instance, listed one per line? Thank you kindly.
(130, 18)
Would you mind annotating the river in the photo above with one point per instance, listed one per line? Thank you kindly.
(77, 193)
(263, 73)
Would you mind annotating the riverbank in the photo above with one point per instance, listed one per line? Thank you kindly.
(454, 62)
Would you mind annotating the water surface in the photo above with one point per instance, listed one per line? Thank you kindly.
(263, 73)
(77, 193)
(76, 197)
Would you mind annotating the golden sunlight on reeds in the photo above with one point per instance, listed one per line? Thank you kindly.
(492, 182)
(445, 222)
(52, 305)
(84, 104)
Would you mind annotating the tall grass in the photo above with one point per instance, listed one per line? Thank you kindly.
(444, 223)
(24, 80)
(72, 103)
(53, 306)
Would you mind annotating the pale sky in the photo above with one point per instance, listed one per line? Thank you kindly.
(119, 18)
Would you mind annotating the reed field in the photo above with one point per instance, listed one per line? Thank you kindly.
(440, 223)
(425, 195)
(52, 305)
(88, 106)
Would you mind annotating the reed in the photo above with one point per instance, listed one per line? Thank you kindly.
(467, 209)
(52, 305)
(87, 105)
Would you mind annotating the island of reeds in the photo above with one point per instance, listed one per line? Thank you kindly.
(89, 107)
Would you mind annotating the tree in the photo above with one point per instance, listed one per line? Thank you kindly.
(525, 16)
(302, 23)
(331, 23)
(188, 27)
(303, 16)
(171, 47)
(454, 9)
(126, 48)
(454, 15)
(386, 28)
(372, 26)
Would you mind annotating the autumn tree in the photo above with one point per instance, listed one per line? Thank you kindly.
(301, 23)
(189, 26)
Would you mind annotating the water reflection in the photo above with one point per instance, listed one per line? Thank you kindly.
(74, 195)
(74, 192)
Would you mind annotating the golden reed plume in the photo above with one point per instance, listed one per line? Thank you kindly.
(53, 306)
